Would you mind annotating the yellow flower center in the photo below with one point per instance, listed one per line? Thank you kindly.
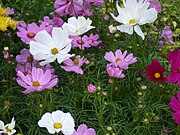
(31, 35)
(8, 130)
(57, 125)
(118, 59)
(29, 59)
(36, 83)
(157, 75)
(132, 21)
(80, 42)
(76, 62)
(54, 51)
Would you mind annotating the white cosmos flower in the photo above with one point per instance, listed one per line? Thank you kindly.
(57, 121)
(49, 48)
(8, 128)
(134, 13)
(77, 26)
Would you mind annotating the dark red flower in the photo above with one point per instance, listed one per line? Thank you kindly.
(155, 72)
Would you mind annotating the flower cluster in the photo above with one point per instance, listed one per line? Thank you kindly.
(119, 62)
(31, 76)
(85, 41)
(76, 7)
(5, 20)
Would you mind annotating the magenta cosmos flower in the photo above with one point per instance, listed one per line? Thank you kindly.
(74, 65)
(155, 72)
(84, 130)
(37, 80)
(81, 43)
(114, 72)
(28, 34)
(120, 59)
(175, 106)
(174, 59)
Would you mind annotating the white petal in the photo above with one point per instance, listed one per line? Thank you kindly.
(138, 30)
(58, 116)
(1, 125)
(47, 122)
(149, 16)
(48, 60)
(63, 57)
(12, 124)
(66, 49)
(36, 47)
(125, 28)
(44, 38)
(40, 56)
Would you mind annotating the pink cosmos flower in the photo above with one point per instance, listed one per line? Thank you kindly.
(24, 57)
(21, 24)
(114, 72)
(37, 81)
(84, 130)
(175, 106)
(28, 34)
(81, 43)
(155, 4)
(174, 59)
(24, 68)
(74, 65)
(49, 24)
(93, 39)
(120, 59)
(91, 88)
(167, 34)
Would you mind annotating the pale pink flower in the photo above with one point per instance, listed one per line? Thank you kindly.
(120, 59)
(81, 43)
(37, 80)
(84, 130)
(91, 88)
(93, 39)
(114, 72)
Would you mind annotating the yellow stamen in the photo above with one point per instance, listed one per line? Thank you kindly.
(29, 59)
(31, 35)
(157, 75)
(57, 125)
(118, 59)
(36, 83)
(80, 42)
(54, 51)
(8, 130)
(132, 21)
(76, 62)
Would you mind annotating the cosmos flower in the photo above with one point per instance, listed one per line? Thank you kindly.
(175, 106)
(24, 57)
(8, 128)
(57, 121)
(81, 43)
(84, 130)
(49, 48)
(28, 34)
(174, 59)
(114, 72)
(120, 59)
(155, 72)
(74, 65)
(93, 39)
(133, 14)
(77, 26)
(167, 34)
(37, 80)
(91, 88)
